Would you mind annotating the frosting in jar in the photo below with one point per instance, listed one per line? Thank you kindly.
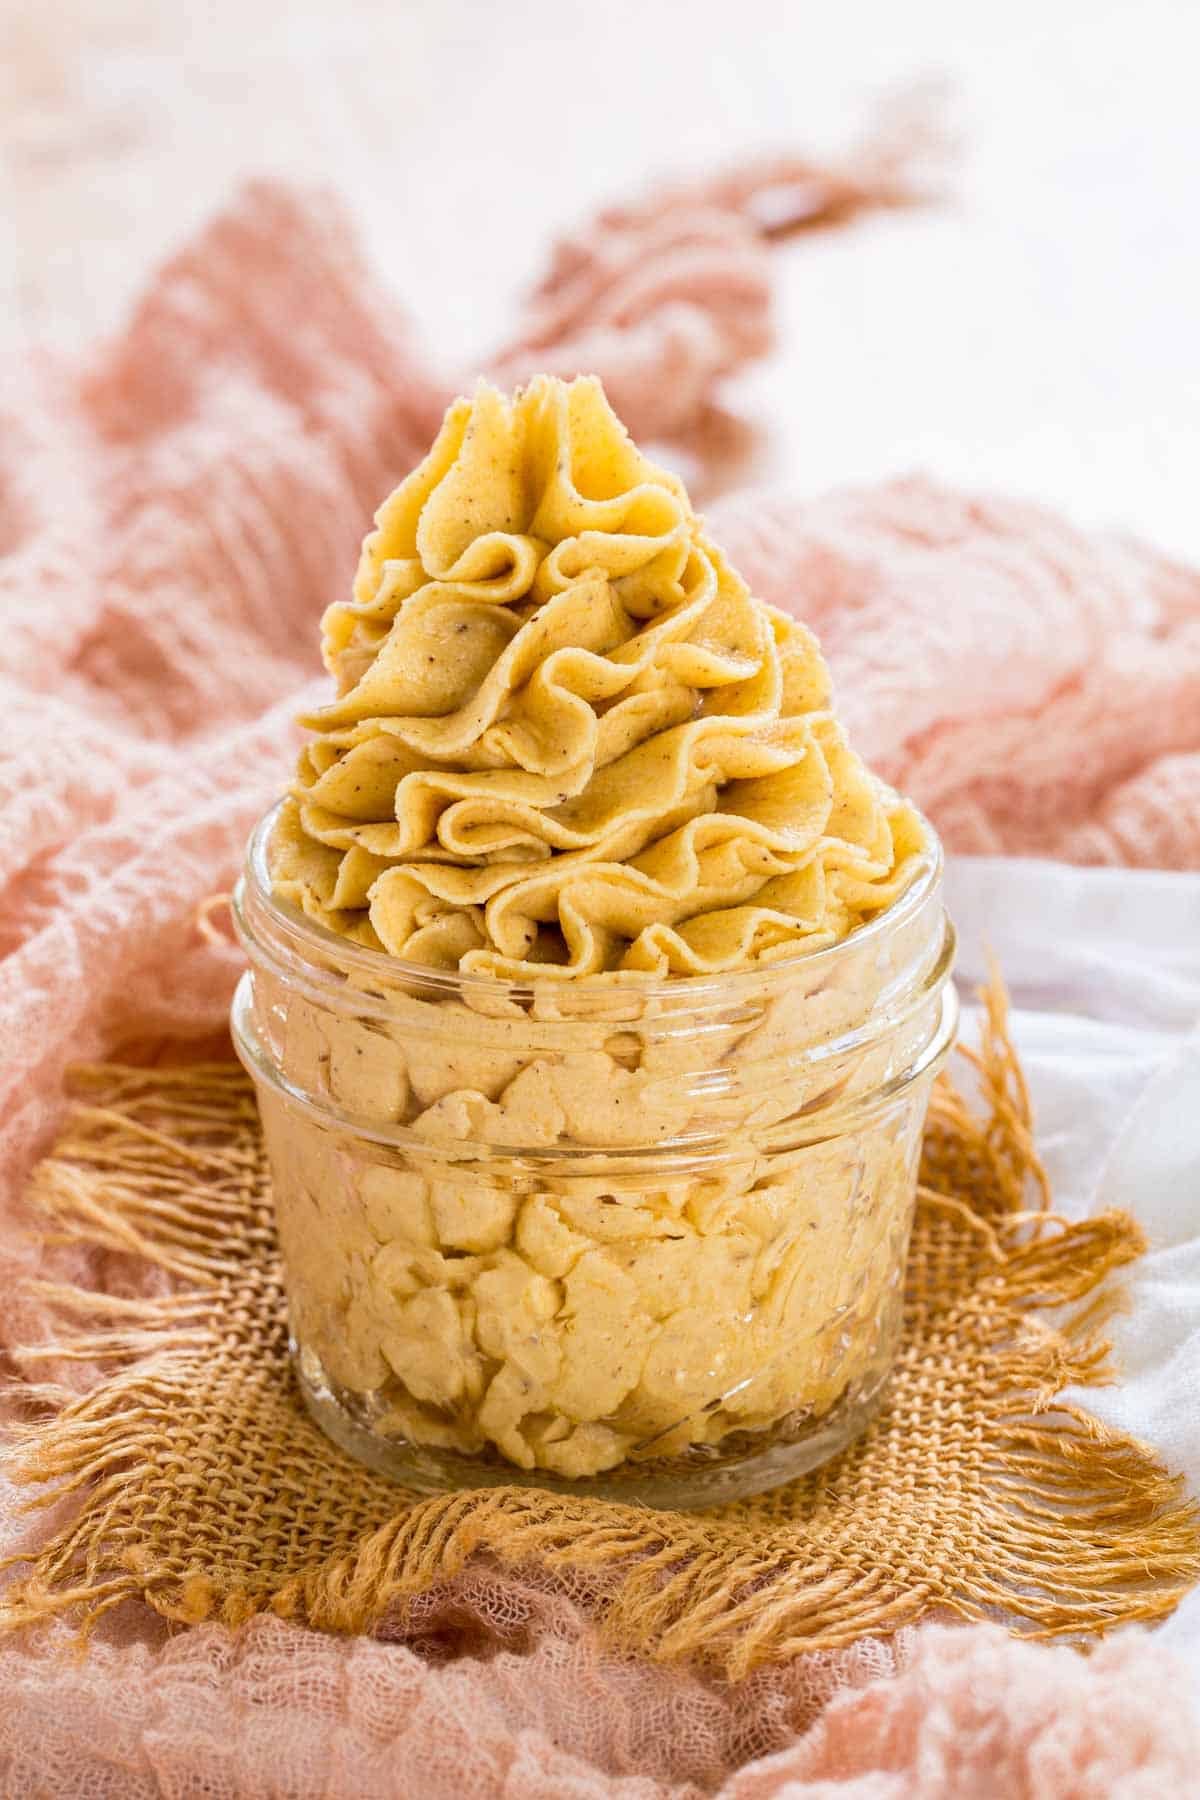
(569, 746)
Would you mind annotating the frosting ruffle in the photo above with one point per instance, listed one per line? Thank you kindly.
(567, 739)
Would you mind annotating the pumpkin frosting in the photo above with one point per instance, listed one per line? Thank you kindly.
(567, 739)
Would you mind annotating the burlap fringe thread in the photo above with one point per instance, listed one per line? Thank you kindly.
(204, 1491)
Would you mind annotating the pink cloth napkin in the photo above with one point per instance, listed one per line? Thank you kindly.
(173, 518)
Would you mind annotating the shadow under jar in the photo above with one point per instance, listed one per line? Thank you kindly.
(640, 1239)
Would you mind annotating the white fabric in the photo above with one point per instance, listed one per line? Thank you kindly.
(1103, 966)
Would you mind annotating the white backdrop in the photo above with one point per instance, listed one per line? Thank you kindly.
(1038, 334)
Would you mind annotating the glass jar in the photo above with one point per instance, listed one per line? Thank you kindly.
(644, 1239)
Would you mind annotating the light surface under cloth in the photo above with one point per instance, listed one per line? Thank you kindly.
(1104, 971)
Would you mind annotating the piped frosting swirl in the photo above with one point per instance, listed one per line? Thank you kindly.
(567, 739)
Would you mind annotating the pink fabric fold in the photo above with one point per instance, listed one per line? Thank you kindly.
(1035, 688)
(941, 1714)
(174, 516)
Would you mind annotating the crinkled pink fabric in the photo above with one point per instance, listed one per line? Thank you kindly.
(946, 1714)
(1034, 688)
(174, 516)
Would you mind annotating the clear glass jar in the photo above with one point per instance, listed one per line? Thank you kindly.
(643, 1239)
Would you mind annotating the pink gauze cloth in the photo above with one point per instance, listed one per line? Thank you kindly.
(174, 516)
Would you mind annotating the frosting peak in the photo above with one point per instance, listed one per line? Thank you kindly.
(566, 737)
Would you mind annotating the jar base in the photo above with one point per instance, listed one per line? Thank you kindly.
(704, 1477)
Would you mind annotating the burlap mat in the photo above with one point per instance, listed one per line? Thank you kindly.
(205, 1490)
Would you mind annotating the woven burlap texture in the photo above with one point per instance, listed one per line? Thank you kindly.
(204, 1489)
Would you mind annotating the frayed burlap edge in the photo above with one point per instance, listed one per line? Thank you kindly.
(1073, 1528)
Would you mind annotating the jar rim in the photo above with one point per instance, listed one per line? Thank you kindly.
(675, 989)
